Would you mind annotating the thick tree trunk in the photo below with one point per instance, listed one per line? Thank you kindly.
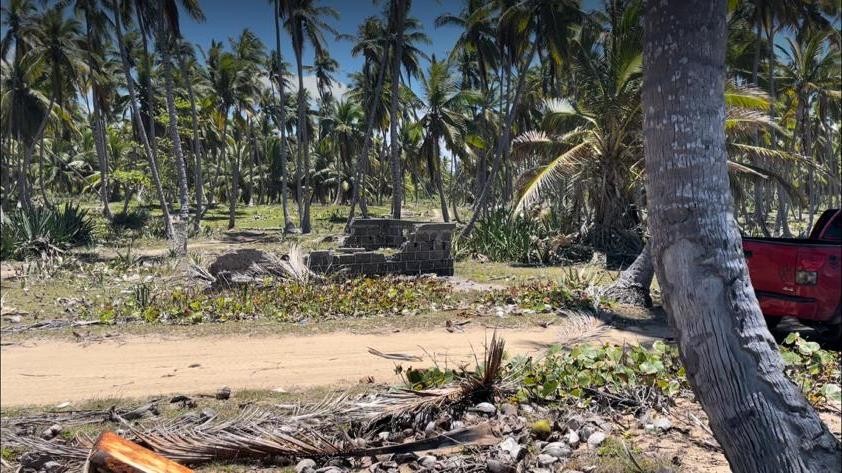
(397, 181)
(141, 130)
(180, 227)
(282, 117)
(759, 417)
(633, 284)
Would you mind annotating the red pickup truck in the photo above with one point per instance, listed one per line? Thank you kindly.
(800, 277)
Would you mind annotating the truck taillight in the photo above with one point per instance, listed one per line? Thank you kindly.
(806, 278)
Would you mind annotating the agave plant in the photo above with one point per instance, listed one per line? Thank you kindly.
(45, 231)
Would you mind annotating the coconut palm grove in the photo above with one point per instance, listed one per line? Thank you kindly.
(561, 235)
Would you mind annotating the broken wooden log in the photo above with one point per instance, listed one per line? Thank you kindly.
(114, 454)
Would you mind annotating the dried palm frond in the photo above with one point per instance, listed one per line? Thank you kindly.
(293, 267)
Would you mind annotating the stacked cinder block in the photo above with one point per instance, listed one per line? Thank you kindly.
(424, 248)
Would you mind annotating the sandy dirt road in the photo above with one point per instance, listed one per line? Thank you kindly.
(51, 372)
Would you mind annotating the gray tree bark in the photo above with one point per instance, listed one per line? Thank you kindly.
(196, 142)
(282, 117)
(399, 10)
(180, 235)
(759, 417)
(632, 286)
(141, 130)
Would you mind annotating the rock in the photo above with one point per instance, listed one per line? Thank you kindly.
(508, 409)
(383, 436)
(305, 464)
(595, 439)
(586, 431)
(51, 432)
(572, 438)
(496, 466)
(430, 427)
(541, 428)
(52, 467)
(485, 408)
(527, 409)
(427, 461)
(223, 393)
(546, 460)
(575, 422)
(514, 449)
(556, 449)
(402, 458)
(662, 423)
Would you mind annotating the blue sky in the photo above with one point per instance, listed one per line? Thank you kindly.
(227, 19)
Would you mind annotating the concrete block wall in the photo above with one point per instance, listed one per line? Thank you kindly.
(424, 248)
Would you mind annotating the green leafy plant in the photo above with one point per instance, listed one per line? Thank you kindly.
(44, 231)
(290, 301)
(545, 296)
(586, 373)
(812, 368)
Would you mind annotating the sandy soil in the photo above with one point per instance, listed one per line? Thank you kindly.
(51, 372)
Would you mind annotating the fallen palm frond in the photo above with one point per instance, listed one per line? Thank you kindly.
(295, 430)
(394, 356)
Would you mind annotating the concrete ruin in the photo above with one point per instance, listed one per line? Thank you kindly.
(423, 248)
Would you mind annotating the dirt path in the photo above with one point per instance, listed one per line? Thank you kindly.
(51, 372)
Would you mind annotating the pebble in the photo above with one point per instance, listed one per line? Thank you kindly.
(662, 424)
(305, 464)
(51, 432)
(508, 409)
(546, 460)
(496, 466)
(572, 438)
(514, 449)
(595, 439)
(15, 319)
(556, 449)
(52, 467)
(402, 458)
(586, 431)
(427, 461)
(485, 408)
(223, 393)
(430, 428)
(383, 436)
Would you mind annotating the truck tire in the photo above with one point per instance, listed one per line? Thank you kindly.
(772, 322)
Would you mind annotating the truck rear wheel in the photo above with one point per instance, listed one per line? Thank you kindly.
(772, 322)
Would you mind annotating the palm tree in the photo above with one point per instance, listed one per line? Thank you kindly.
(445, 119)
(304, 23)
(95, 22)
(372, 43)
(278, 73)
(57, 40)
(135, 110)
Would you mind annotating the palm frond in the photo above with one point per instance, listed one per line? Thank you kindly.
(543, 177)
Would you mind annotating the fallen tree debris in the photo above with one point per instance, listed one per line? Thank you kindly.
(114, 454)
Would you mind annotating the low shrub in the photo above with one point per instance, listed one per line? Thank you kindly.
(503, 237)
(287, 302)
(43, 231)
(134, 219)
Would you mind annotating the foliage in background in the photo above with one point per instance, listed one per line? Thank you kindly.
(574, 291)
(287, 302)
(506, 237)
(44, 231)
(813, 369)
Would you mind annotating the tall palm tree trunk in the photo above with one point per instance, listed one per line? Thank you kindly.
(282, 117)
(234, 190)
(303, 151)
(436, 166)
(141, 130)
(198, 180)
(25, 196)
(180, 236)
(397, 181)
(759, 417)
